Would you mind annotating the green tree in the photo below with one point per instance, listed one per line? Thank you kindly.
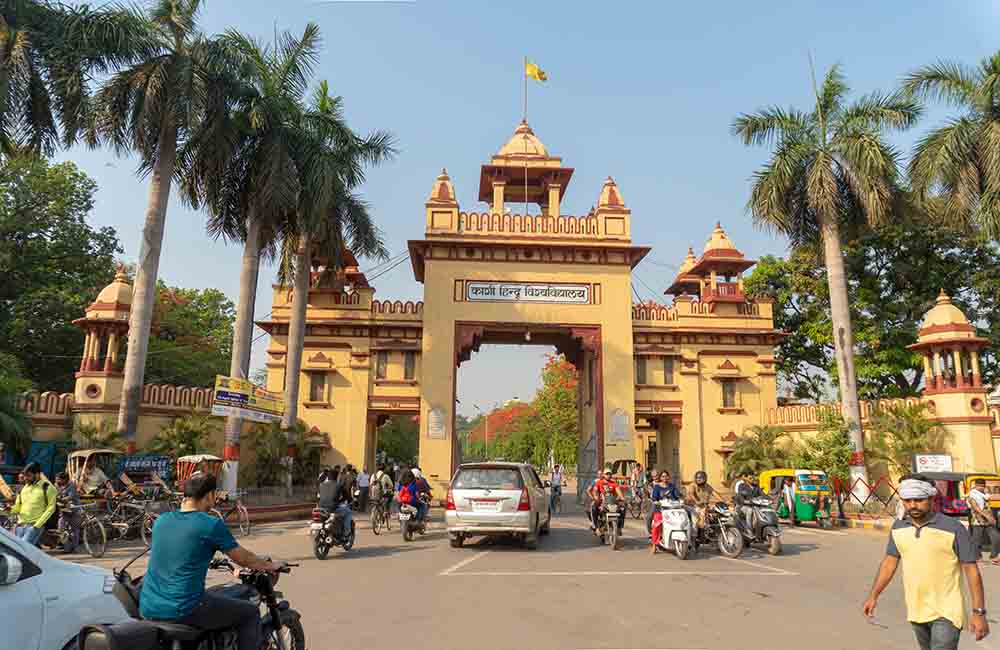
(828, 164)
(270, 443)
(15, 425)
(829, 449)
(955, 168)
(894, 273)
(556, 420)
(192, 337)
(103, 435)
(147, 108)
(186, 435)
(52, 264)
(49, 54)
(398, 438)
(759, 448)
(899, 431)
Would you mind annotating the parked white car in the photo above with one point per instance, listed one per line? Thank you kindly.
(45, 601)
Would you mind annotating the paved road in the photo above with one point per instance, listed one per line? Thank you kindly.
(571, 593)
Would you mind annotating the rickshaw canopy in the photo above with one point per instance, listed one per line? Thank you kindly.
(77, 460)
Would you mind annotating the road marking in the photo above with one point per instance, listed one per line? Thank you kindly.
(466, 561)
(770, 572)
(803, 531)
(755, 564)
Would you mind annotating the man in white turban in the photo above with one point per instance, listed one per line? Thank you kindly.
(936, 550)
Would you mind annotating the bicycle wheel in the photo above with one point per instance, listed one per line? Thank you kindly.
(146, 529)
(244, 517)
(94, 537)
(376, 519)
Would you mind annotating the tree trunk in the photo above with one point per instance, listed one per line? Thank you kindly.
(843, 341)
(296, 340)
(144, 289)
(239, 364)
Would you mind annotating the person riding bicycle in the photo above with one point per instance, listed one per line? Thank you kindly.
(68, 501)
(184, 542)
(381, 488)
(700, 497)
(637, 481)
(557, 482)
(596, 492)
(35, 504)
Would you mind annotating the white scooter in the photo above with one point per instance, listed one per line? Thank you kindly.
(676, 528)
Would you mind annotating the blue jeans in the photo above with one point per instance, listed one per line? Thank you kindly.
(422, 509)
(939, 634)
(344, 511)
(556, 491)
(29, 534)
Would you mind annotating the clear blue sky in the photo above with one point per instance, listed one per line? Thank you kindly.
(644, 92)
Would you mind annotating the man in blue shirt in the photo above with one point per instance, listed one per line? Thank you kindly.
(184, 543)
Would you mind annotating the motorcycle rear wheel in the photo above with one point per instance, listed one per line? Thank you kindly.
(730, 541)
(407, 533)
(320, 549)
(612, 536)
(349, 543)
(774, 545)
(682, 549)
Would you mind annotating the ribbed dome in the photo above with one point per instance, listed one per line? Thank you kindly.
(719, 240)
(118, 292)
(524, 143)
(944, 313)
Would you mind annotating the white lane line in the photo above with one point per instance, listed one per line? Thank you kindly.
(803, 531)
(636, 649)
(757, 564)
(466, 561)
(772, 572)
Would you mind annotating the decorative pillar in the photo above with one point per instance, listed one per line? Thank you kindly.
(956, 356)
(498, 190)
(713, 281)
(977, 379)
(928, 372)
(554, 199)
(939, 368)
(86, 351)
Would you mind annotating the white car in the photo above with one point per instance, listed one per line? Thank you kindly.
(45, 601)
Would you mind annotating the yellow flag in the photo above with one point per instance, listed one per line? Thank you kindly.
(533, 71)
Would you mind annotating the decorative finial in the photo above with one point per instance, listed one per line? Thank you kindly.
(120, 273)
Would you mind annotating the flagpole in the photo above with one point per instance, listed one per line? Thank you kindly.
(525, 117)
(524, 72)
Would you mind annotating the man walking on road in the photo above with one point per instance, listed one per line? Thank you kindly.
(363, 483)
(984, 523)
(934, 549)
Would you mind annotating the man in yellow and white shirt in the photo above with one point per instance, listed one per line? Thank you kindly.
(935, 550)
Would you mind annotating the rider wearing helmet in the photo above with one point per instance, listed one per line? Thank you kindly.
(700, 496)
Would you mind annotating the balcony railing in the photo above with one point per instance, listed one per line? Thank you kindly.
(724, 290)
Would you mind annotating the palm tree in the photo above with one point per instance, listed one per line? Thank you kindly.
(758, 449)
(247, 174)
(901, 430)
(49, 52)
(330, 218)
(958, 164)
(828, 164)
(147, 108)
(86, 435)
(186, 435)
(15, 425)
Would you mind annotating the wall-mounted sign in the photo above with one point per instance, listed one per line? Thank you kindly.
(620, 430)
(435, 424)
(243, 399)
(932, 463)
(574, 294)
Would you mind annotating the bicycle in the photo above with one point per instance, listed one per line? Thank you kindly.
(237, 508)
(381, 516)
(557, 499)
(127, 516)
(92, 533)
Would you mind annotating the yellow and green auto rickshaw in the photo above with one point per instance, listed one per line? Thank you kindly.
(992, 488)
(811, 488)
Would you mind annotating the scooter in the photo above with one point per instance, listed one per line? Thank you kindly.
(326, 530)
(408, 522)
(762, 528)
(676, 529)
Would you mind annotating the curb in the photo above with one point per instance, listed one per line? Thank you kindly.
(865, 524)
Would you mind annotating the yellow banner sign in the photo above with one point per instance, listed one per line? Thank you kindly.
(243, 399)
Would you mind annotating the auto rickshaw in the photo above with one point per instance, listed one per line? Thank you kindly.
(951, 493)
(188, 465)
(992, 489)
(107, 460)
(812, 493)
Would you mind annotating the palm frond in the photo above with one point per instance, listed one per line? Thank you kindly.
(768, 125)
(944, 81)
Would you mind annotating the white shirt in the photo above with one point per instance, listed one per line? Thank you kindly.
(981, 501)
(362, 479)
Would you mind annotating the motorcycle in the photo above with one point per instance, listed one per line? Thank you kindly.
(722, 530)
(326, 529)
(281, 626)
(408, 522)
(607, 524)
(677, 529)
(762, 527)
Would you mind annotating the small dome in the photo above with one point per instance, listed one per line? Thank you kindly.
(944, 313)
(524, 144)
(719, 240)
(688, 262)
(611, 196)
(443, 191)
(119, 292)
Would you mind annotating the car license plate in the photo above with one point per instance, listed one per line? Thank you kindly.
(404, 516)
(486, 506)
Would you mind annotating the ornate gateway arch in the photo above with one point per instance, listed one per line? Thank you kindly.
(666, 385)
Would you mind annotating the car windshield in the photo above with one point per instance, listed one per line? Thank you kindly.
(488, 478)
